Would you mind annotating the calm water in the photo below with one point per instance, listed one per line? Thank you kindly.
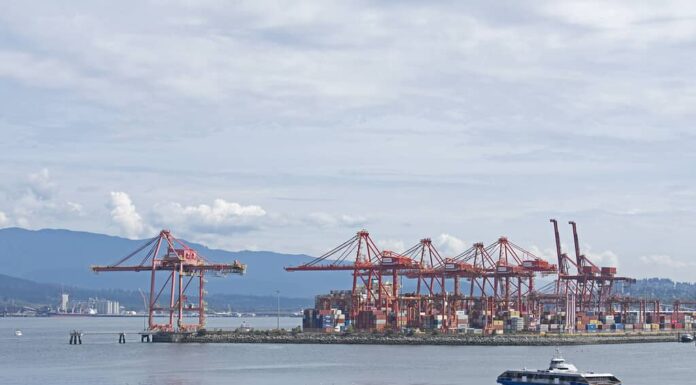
(43, 356)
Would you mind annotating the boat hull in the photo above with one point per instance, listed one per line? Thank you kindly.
(505, 382)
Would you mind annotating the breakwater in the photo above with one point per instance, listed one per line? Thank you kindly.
(424, 339)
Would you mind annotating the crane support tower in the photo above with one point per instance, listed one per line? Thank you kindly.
(184, 269)
(592, 286)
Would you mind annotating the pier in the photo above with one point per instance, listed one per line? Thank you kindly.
(423, 339)
(145, 336)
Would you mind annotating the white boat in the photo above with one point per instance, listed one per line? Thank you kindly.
(559, 373)
(18, 332)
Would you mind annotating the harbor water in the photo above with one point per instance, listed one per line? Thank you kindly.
(42, 356)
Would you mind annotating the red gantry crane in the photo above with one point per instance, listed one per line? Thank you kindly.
(591, 286)
(428, 259)
(507, 272)
(515, 270)
(369, 266)
(182, 266)
(360, 255)
(430, 298)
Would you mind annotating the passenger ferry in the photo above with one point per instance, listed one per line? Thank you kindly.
(559, 373)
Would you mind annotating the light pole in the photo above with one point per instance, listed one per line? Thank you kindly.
(278, 309)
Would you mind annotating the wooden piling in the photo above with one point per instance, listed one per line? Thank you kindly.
(75, 338)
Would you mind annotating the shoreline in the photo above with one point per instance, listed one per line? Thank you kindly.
(396, 339)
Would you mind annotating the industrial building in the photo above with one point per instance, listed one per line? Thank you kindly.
(91, 306)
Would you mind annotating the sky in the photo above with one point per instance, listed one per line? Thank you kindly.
(290, 126)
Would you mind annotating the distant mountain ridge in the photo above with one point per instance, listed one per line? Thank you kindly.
(65, 256)
(663, 289)
(23, 292)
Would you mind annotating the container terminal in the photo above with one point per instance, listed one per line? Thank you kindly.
(493, 290)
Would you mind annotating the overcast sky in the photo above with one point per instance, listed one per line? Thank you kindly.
(290, 126)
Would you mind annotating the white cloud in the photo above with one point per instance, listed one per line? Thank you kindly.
(41, 185)
(221, 216)
(416, 101)
(74, 207)
(37, 202)
(4, 220)
(665, 261)
(37, 71)
(548, 254)
(449, 245)
(322, 219)
(605, 258)
(124, 214)
(669, 20)
(391, 245)
(221, 211)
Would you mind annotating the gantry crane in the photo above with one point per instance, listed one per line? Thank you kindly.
(359, 255)
(182, 266)
(369, 266)
(430, 297)
(590, 285)
(506, 272)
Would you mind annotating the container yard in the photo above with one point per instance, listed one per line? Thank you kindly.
(499, 292)
(486, 290)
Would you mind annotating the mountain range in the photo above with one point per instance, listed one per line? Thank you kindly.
(64, 257)
(38, 264)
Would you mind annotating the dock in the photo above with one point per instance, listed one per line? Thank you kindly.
(424, 339)
(76, 336)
